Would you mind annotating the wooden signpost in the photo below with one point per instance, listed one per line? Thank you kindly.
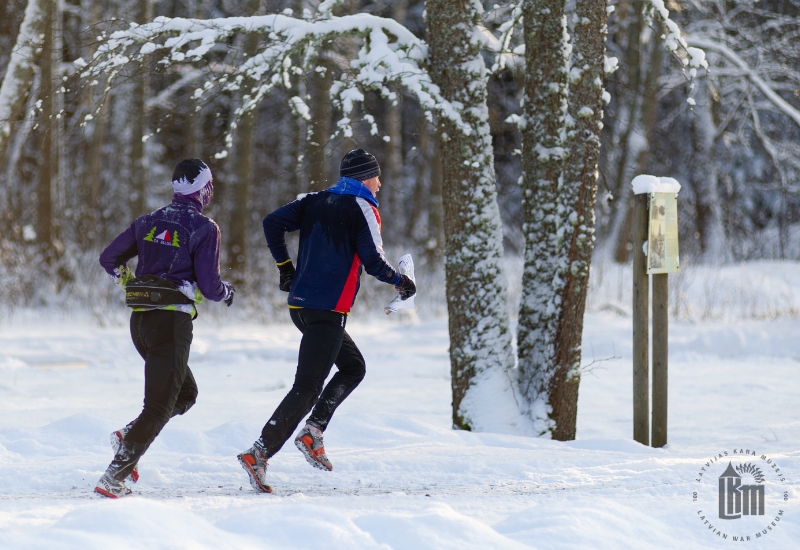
(655, 254)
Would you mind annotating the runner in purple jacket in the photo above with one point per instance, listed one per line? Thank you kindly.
(181, 246)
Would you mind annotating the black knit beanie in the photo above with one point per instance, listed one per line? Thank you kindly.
(359, 165)
(188, 169)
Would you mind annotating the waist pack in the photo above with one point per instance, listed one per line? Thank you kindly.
(153, 292)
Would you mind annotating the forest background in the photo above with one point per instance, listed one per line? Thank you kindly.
(69, 186)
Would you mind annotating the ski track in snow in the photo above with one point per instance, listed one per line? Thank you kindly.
(402, 478)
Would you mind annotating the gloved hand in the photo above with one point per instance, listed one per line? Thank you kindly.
(405, 287)
(287, 275)
(122, 274)
(231, 291)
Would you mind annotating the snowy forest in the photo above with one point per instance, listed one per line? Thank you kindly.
(503, 131)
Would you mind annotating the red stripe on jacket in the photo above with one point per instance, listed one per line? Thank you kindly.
(348, 294)
(377, 216)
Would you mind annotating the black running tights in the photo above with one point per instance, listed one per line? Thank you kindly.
(325, 343)
(162, 338)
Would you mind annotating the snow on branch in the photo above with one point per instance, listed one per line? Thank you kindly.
(501, 46)
(694, 58)
(760, 83)
(389, 53)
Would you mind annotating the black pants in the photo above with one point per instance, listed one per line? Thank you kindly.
(162, 338)
(325, 343)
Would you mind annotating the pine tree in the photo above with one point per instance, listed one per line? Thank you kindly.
(175, 242)
(577, 199)
(546, 56)
(151, 234)
(480, 340)
(560, 183)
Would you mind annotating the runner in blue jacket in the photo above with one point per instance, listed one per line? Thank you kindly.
(340, 233)
(178, 248)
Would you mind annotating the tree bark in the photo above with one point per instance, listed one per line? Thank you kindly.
(542, 163)
(480, 341)
(577, 198)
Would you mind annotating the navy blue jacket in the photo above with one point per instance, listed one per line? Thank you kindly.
(340, 231)
(176, 242)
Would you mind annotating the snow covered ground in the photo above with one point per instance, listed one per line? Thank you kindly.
(402, 478)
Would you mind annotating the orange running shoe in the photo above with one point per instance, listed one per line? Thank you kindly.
(116, 440)
(255, 464)
(309, 441)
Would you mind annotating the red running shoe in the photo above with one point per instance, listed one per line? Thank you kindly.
(309, 441)
(255, 464)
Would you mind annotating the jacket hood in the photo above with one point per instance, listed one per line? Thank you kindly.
(349, 186)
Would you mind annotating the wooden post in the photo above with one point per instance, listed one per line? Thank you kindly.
(660, 332)
(641, 375)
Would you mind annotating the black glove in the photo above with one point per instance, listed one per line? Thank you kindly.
(405, 287)
(231, 291)
(287, 275)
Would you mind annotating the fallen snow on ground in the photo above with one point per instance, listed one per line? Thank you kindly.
(402, 478)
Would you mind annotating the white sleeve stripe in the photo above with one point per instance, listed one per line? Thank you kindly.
(372, 222)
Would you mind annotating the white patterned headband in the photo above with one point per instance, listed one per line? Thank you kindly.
(185, 187)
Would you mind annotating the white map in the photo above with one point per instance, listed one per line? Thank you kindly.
(406, 267)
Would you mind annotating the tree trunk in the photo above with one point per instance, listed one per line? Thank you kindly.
(577, 198)
(137, 185)
(480, 341)
(637, 140)
(239, 190)
(394, 189)
(542, 162)
(44, 188)
(320, 124)
(19, 73)
(435, 206)
(618, 237)
(703, 178)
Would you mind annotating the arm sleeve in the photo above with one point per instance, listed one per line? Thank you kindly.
(283, 220)
(369, 246)
(121, 249)
(206, 265)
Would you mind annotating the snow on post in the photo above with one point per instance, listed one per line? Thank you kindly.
(652, 184)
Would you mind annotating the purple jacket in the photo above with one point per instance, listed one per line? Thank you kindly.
(175, 242)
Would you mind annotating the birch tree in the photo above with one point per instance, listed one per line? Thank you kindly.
(19, 74)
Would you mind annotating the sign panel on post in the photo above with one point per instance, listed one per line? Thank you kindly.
(662, 234)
